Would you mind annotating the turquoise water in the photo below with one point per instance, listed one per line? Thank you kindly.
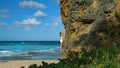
(29, 50)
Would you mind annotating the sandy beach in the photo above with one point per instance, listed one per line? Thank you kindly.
(25, 63)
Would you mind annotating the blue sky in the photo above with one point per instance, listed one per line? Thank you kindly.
(28, 20)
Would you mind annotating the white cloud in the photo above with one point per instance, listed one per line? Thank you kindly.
(28, 21)
(3, 13)
(5, 10)
(55, 1)
(9, 28)
(55, 22)
(39, 14)
(32, 4)
(27, 28)
(3, 16)
(58, 1)
(48, 24)
(3, 24)
(49, 30)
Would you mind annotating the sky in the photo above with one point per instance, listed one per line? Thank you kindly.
(30, 20)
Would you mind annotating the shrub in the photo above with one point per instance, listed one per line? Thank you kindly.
(104, 57)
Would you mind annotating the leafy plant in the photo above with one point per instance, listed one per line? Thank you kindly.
(103, 57)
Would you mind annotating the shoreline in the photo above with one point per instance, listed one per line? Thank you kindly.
(25, 63)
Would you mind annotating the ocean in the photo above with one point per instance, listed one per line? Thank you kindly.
(29, 50)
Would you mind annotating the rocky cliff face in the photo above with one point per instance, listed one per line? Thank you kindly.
(90, 23)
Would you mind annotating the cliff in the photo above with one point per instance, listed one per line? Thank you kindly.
(90, 23)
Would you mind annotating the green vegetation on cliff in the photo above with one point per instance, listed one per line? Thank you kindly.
(103, 57)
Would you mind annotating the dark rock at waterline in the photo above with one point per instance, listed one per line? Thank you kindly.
(90, 23)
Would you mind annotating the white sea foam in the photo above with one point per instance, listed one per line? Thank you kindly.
(5, 53)
(12, 53)
(8, 53)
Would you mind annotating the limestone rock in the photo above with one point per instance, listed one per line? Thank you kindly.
(90, 23)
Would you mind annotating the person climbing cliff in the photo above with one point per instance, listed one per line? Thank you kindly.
(61, 40)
